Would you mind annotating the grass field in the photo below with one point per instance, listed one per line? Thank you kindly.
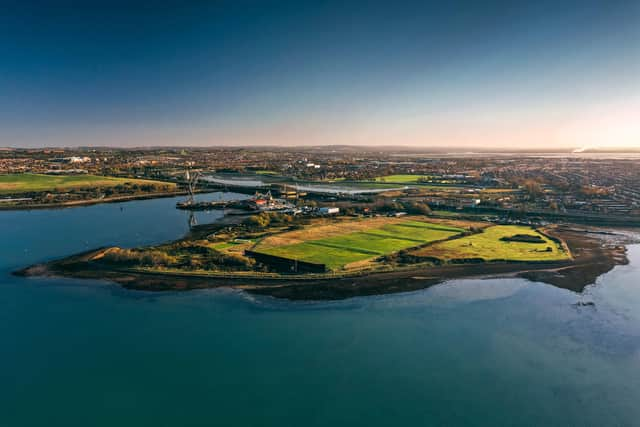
(442, 186)
(339, 250)
(25, 183)
(488, 246)
(403, 179)
(351, 185)
(413, 180)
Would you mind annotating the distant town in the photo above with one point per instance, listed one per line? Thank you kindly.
(351, 221)
(354, 179)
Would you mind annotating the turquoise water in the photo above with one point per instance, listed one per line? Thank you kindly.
(469, 352)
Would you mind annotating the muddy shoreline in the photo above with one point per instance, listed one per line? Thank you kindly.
(595, 252)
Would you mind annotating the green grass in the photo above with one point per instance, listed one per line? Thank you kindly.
(219, 246)
(429, 226)
(459, 214)
(222, 245)
(24, 183)
(366, 243)
(403, 179)
(338, 251)
(488, 246)
(333, 258)
(422, 235)
(352, 185)
(414, 181)
(371, 185)
(446, 213)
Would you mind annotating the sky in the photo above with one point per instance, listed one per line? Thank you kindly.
(459, 73)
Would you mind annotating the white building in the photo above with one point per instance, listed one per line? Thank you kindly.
(329, 211)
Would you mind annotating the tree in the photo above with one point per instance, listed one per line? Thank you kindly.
(418, 208)
(259, 221)
(532, 188)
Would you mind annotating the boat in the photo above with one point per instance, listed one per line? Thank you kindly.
(201, 206)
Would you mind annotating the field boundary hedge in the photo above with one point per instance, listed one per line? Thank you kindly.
(286, 264)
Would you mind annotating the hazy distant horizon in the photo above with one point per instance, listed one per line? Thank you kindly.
(406, 149)
(412, 73)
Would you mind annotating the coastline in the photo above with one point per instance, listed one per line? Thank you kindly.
(595, 253)
(89, 202)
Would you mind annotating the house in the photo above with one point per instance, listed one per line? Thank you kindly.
(329, 211)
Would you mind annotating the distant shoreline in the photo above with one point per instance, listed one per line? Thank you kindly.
(77, 203)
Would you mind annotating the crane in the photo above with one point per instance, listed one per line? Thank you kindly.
(192, 181)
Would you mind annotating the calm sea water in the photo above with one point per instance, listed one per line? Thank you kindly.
(468, 352)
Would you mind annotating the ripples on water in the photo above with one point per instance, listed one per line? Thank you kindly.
(466, 352)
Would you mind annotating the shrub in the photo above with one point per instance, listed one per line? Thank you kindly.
(418, 208)
(131, 257)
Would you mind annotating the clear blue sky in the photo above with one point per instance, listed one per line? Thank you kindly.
(468, 73)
